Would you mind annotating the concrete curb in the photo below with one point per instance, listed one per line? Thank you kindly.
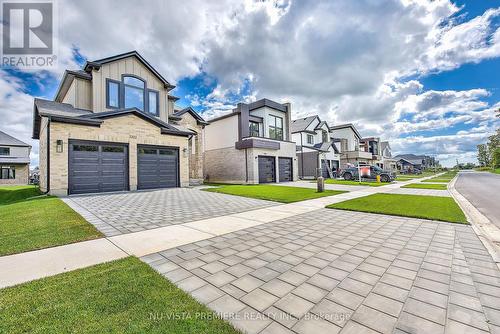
(488, 233)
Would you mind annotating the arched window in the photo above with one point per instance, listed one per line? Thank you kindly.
(133, 92)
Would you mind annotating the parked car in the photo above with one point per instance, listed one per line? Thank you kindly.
(368, 172)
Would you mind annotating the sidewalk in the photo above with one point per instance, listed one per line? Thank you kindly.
(23, 267)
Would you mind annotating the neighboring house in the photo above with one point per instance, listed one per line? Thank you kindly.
(387, 161)
(14, 160)
(108, 129)
(252, 144)
(350, 145)
(372, 145)
(315, 148)
(422, 162)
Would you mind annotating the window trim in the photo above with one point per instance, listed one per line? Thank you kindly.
(275, 127)
(157, 101)
(250, 130)
(309, 136)
(108, 81)
(144, 91)
(11, 172)
(8, 151)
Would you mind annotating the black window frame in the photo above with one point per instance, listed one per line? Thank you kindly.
(251, 131)
(11, 174)
(108, 81)
(309, 136)
(271, 126)
(157, 101)
(7, 150)
(144, 90)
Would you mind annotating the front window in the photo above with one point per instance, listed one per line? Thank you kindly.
(275, 127)
(7, 173)
(4, 150)
(113, 94)
(153, 102)
(134, 93)
(254, 129)
(310, 139)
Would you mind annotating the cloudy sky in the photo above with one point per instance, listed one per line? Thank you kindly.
(423, 74)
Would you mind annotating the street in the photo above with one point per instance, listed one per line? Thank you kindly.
(482, 190)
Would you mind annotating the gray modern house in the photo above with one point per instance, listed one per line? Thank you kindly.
(250, 145)
(14, 160)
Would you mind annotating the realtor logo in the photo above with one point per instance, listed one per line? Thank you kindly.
(28, 34)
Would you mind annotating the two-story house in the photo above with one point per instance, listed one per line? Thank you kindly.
(352, 151)
(14, 160)
(112, 126)
(387, 161)
(317, 152)
(250, 145)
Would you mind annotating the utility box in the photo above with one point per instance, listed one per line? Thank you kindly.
(321, 184)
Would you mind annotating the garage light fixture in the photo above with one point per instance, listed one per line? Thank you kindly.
(59, 146)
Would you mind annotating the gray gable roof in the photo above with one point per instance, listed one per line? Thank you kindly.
(301, 124)
(193, 113)
(66, 113)
(343, 126)
(8, 140)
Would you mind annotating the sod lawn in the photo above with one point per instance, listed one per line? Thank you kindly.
(34, 223)
(283, 194)
(427, 207)
(123, 296)
(426, 186)
(354, 183)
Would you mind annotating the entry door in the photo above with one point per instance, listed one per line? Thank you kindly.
(267, 169)
(286, 171)
(97, 167)
(157, 167)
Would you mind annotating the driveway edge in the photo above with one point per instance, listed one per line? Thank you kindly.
(488, 233)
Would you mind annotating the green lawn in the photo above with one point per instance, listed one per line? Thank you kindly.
(354, 183)
(283, 194)
(426, 186)
(122, 296)
(11, 194)
(428, 207)
(39, 223)
(496, 170)
(438, 180)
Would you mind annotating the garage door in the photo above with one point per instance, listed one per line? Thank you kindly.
(285, 167)
(157, 167)
(97, 167)
(267, 171)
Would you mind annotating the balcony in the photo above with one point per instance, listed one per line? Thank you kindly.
(357, 155)
(258, 142)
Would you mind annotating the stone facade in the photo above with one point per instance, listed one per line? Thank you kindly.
(195, 148)
(22, 175)
(128, 129)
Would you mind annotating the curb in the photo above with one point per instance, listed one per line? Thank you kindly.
(487, 232)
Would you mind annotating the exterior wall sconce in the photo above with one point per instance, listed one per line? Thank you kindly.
(184, 152)
(59, 146)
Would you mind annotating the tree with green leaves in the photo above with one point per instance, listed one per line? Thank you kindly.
(483, 155)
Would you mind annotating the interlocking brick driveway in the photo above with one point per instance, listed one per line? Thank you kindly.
(332, 271)
(119, 213)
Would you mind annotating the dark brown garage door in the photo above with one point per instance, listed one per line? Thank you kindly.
(286, 171)
(97, 167)
(157, 167)
(267, 171)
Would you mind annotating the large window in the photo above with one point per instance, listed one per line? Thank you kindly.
(275, 127)
(310, 139)
(132, 92)
(7, 172)
(254, 129)
(4, 150)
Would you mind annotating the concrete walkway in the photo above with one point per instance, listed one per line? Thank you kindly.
(23, 267)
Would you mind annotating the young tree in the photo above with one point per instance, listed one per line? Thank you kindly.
(483, 155)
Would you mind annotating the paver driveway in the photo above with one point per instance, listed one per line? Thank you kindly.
(126, 212)
(330, 271)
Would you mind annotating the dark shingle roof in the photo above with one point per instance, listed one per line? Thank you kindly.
(301, 124)
(192, 112)
(8, 140)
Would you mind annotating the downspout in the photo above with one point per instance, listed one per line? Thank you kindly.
(48, 154)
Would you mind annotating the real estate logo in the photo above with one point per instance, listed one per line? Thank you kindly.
(28, 34)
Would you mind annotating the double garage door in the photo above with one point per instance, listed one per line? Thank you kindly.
(101, 167)
(267, 169)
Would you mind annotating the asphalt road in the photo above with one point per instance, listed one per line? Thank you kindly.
(482, 189)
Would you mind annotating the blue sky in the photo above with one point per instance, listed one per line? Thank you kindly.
(421, 74)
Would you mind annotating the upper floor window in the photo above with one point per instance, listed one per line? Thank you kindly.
(325, 136)
(310, 139)
(132, 92)
(254, 129)
(275, 127)
(4, 150)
